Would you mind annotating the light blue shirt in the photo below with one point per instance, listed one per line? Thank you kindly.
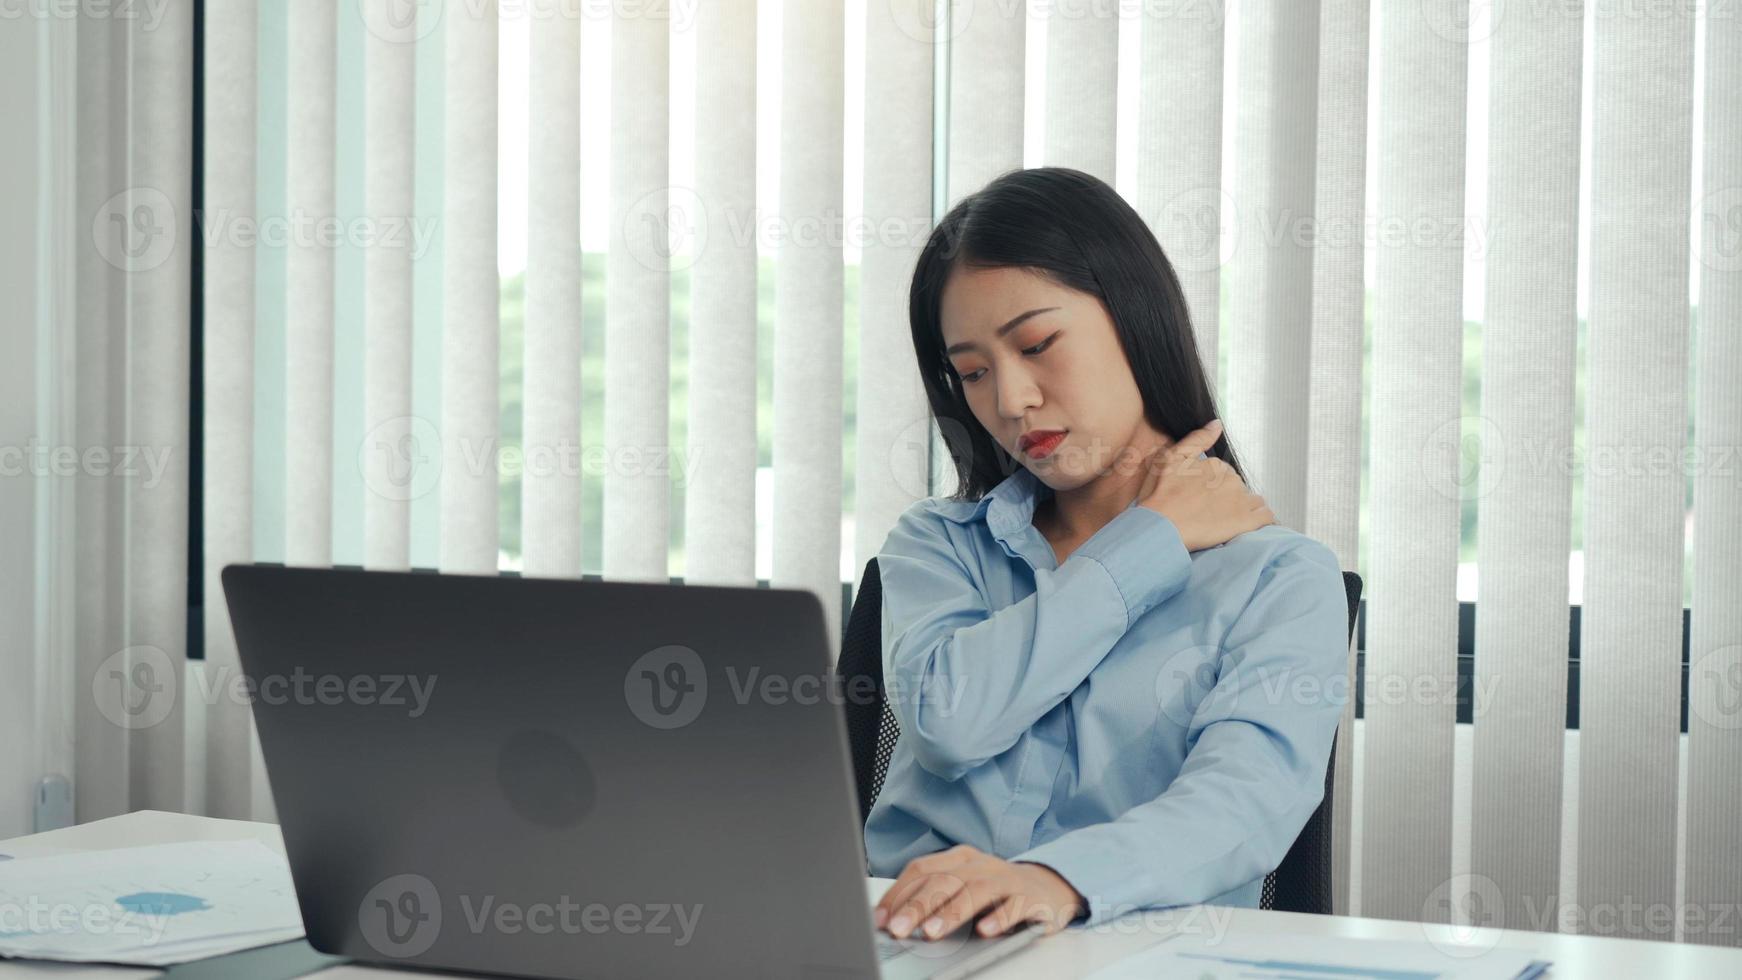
(1151, 723)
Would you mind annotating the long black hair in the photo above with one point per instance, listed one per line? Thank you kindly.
(1077, 231)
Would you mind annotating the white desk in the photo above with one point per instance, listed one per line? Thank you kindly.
(1071, 953)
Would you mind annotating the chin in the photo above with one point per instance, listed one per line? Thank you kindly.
(1059, 479)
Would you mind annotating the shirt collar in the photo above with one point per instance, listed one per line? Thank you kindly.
(1009, 506)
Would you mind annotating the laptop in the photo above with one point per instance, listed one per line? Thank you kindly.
(564, 778)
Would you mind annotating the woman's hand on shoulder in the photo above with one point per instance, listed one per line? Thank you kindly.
(1205, 499)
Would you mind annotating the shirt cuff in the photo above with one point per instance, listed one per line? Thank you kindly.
(1143, 554)
(1105, 880)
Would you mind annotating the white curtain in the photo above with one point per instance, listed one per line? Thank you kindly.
(121, 389)
(1412, 624)
(1528, 379)
(1258, 129)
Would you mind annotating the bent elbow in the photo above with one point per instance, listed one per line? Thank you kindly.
(942, 756)
(949, 733)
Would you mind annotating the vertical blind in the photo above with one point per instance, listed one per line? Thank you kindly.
(895, 437)
(552, 497)
(389, 183)
(1280, 216)
(310, 156)
(1334, 443)
(720, 505)
(232, 779)
(1528, 375)
(471, 304)
(637, 336)
(808, 284)
(157, 309)
(1412, 616)
(1630, 682)
(1715, 671)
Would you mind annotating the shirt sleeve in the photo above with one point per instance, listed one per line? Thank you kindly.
(1258, 745)
(966, 681)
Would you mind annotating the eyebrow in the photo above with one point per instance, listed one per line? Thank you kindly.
(1012, 325)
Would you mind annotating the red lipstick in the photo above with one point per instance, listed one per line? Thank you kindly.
(1040, 443)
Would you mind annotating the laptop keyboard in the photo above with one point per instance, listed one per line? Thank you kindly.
(889, 947)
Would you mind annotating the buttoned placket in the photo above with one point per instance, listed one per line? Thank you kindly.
(1010, 519)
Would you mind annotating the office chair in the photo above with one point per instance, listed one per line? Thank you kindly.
(1301, 883)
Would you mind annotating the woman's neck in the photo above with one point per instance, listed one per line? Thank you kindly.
(1073, 515)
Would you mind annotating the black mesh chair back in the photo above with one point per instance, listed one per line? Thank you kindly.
(1301, 883)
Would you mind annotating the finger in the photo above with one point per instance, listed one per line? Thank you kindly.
(1007, 913)
(1198, 441)
(911, 876)
(1219, 471)
(975, 895)
(1151, 477)
(899, 893)
(1154, 463)
(1003, 915)
(932, 893)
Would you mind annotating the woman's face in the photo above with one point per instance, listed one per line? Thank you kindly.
(1033, 355)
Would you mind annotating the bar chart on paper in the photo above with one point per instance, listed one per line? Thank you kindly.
(1280, 956)
(149, 906)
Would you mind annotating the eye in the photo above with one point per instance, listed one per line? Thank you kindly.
(974, 376)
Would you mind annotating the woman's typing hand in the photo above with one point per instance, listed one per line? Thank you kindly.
(936, 893)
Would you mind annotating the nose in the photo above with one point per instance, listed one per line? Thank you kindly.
(1017, 393)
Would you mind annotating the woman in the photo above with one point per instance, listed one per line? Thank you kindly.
(1117, 677)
